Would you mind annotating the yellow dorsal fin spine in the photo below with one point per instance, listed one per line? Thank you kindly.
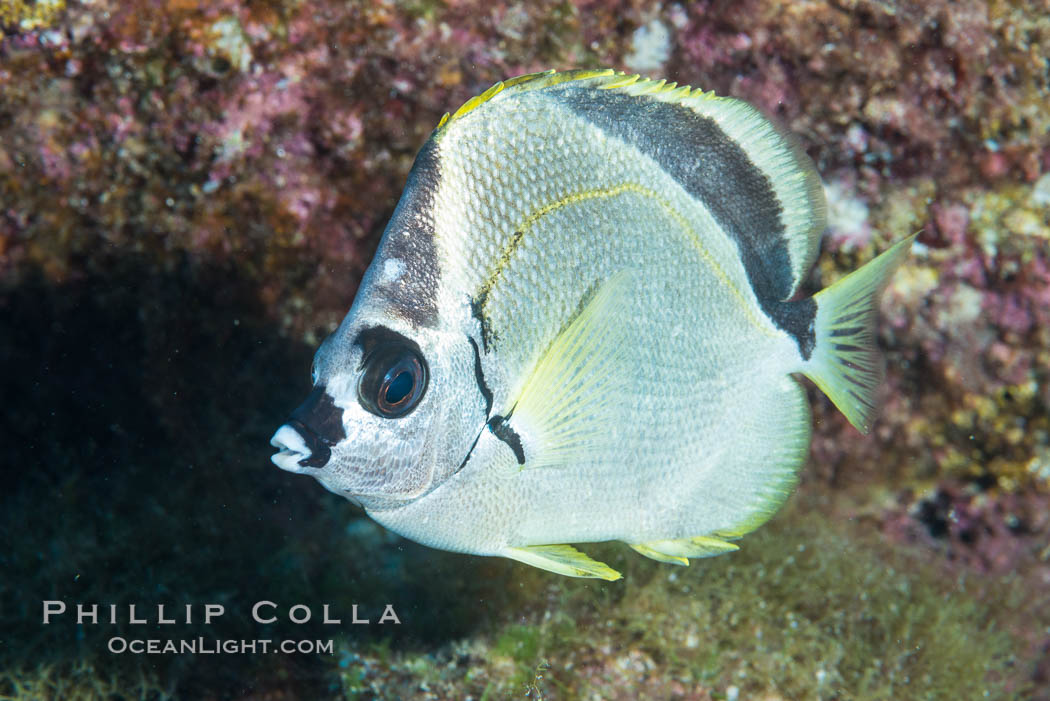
(518, 80)
(613, 80)
(680, 93)
(650, 87)
(479, 99)
(530, 81)
(622, 83)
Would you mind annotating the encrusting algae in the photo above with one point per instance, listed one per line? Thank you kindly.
(30, 15)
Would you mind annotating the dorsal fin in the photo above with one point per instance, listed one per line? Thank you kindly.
(528, 81)
(753, 176)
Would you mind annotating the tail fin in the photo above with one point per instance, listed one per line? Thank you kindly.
(845, 364)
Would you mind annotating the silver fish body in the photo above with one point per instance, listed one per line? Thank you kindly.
(581, 325)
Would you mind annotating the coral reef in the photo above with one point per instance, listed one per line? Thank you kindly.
(190, 192)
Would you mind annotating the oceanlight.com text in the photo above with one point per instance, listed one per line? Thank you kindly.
(211, 646)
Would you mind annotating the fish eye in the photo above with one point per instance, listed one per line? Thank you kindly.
(393, 381)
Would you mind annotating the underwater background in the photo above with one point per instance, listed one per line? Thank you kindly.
(189, 195)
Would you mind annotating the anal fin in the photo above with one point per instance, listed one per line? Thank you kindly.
(653, 554)
(563, 559)
(679, 551)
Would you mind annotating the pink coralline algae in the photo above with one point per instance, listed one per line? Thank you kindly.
(978, 532)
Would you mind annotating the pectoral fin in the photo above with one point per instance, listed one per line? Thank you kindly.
(563, 559)
(678, 551)
(576, 390)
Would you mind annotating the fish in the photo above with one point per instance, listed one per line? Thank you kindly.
(584, 323)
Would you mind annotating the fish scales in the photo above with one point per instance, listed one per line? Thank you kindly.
(581, 326)
(683, 260)
(606, 179)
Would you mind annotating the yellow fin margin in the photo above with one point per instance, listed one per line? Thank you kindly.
(678, 552)
(633, 84)
(659, 556)
(484, 97)
(563, 559)
(529, 81)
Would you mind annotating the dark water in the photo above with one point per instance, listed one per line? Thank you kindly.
(139, 406)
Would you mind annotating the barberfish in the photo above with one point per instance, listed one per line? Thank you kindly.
(583, 324)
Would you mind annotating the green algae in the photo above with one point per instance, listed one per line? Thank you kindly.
(79, 681)
(802, 611)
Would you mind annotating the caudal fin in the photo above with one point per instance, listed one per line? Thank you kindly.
(845, 364)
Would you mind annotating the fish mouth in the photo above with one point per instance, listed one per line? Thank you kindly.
(296, 456)
(294, 451)
(305, 440)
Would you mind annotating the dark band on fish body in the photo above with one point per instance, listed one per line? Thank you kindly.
(716, 170)
(409, 237)
(486, 394)
(471, 451)
(799, 319)
(479, 377)
(500, 427)
(320, 450)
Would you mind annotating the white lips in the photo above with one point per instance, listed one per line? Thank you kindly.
(293, 449)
